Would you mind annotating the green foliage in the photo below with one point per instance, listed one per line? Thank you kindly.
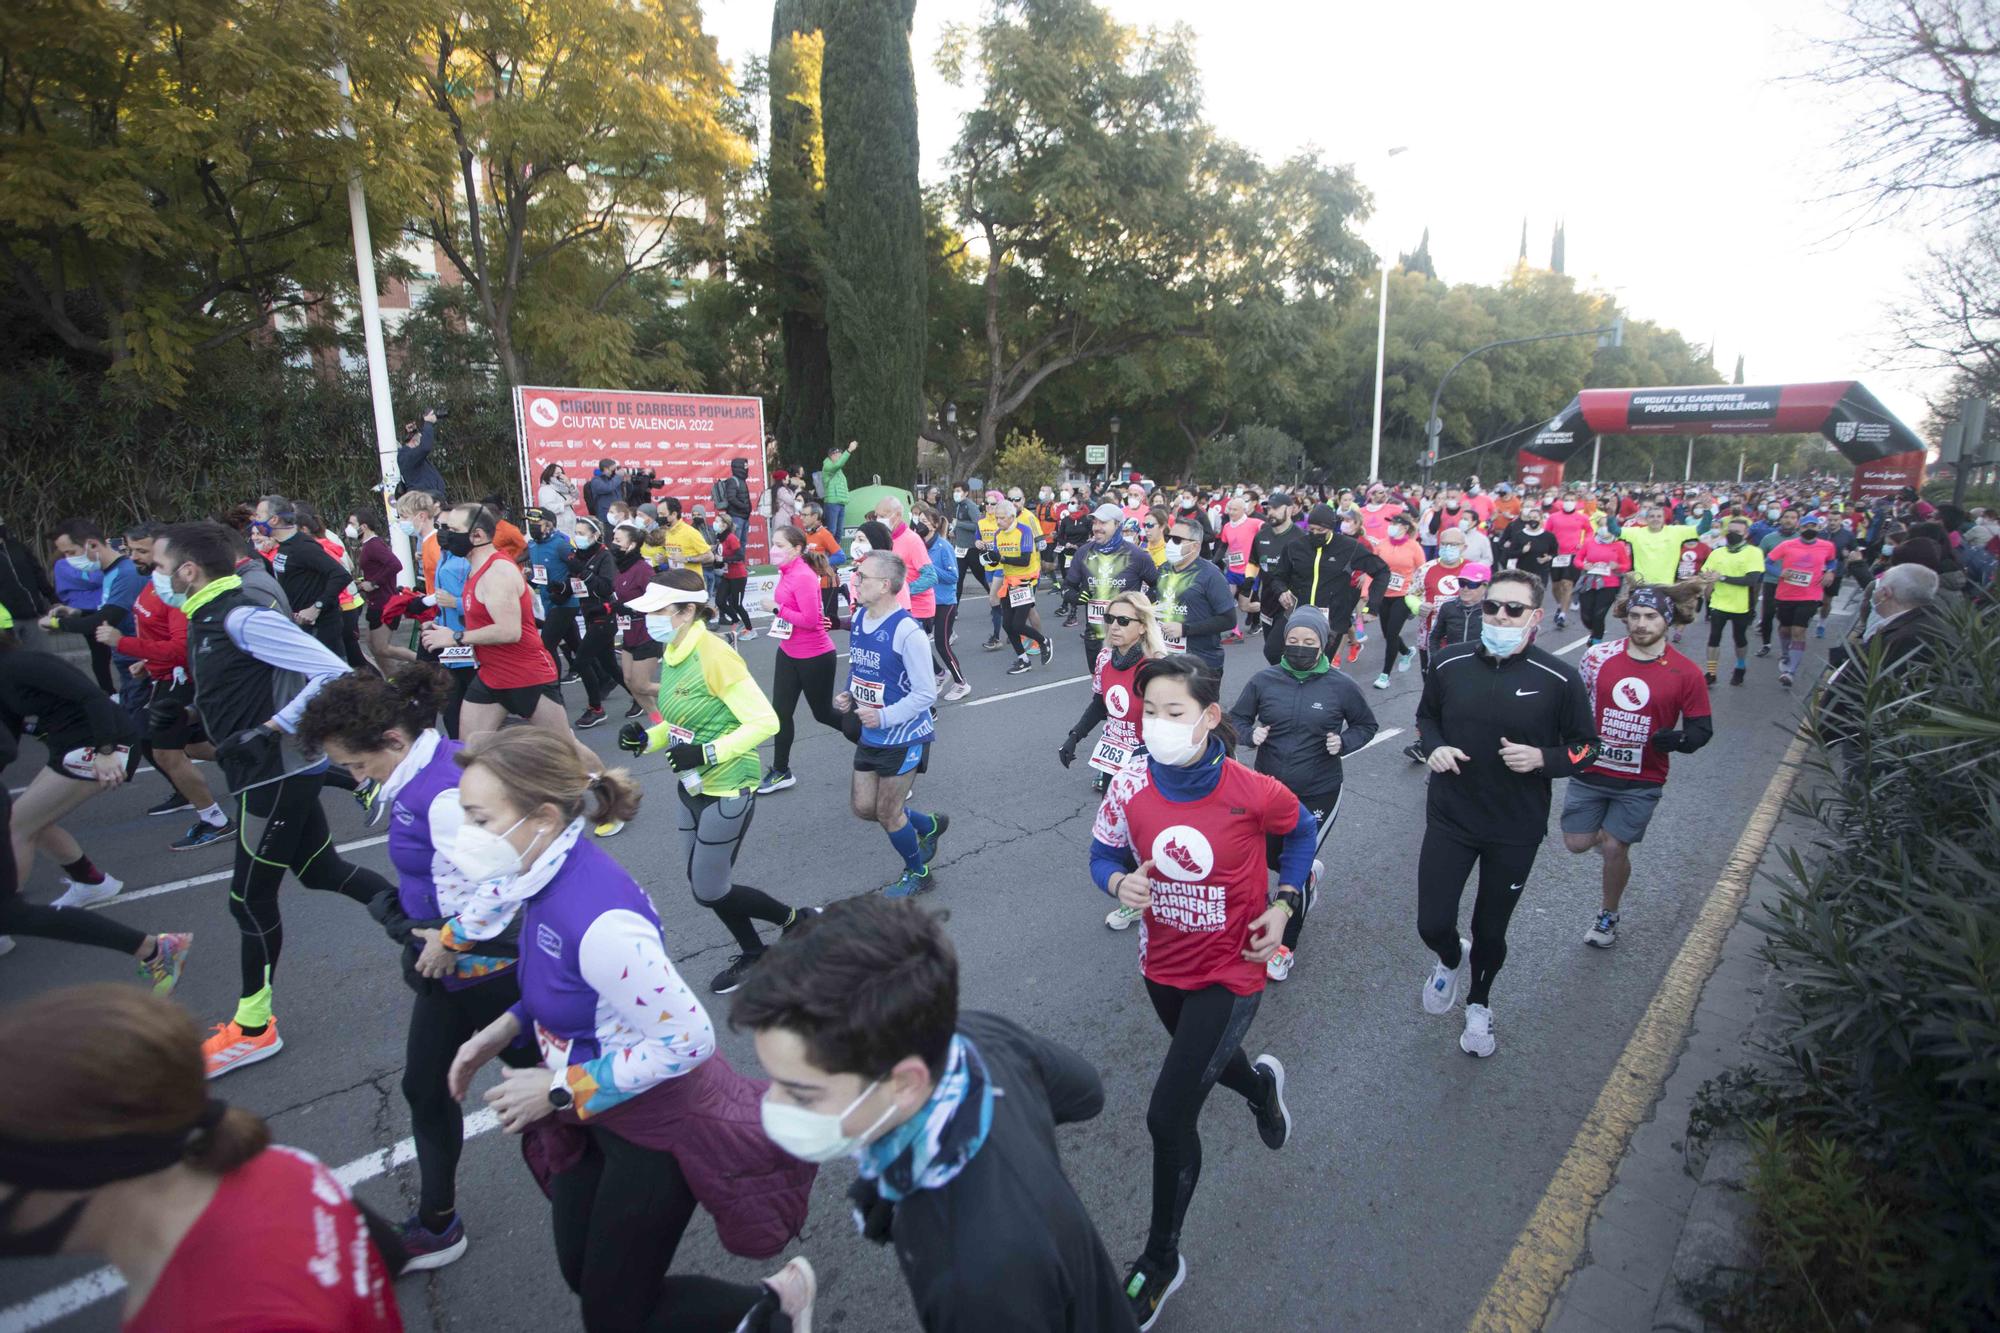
(796, 221)
(1028, 462)
(874, 271)
(1261, 454)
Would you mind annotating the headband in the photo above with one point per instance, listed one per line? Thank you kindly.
(1651, 599)
(84, 1164)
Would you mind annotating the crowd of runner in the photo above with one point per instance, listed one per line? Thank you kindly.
(286, 647)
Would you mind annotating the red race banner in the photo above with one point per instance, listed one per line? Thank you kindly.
(685, 439)
(1534, 473)
(1886, 477)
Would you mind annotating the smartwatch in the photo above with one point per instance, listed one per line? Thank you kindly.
(559, 1097)
(458, 637)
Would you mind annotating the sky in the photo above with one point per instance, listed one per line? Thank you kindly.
(1694, 171)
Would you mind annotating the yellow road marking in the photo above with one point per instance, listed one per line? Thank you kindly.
(1553, 1240)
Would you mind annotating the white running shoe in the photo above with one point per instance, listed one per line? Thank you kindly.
(610, 828)
(1605, 933)
(956, 692)
(1441, 986)
(1312, 885)
(1121, 917)
(1280, 964)
(1382, 681)
(1477, 1039)
(83, 895)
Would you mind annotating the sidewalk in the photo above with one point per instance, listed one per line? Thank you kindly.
(1669, 1220)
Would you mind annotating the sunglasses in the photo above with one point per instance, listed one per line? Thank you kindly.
(1514, 610)
(1121, 621)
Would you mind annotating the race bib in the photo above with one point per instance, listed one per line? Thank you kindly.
(458, 652)
(540, 576)
(781, 629)
(678, 735)
(1021, 595)
(1620, 758)
(1797, 578)
(1601, 568)
(1109, 756)
(866, 692)
(675, 562)
(1094, 614)
(1398, 584)
(1564, 561)
(576, 586)
(1237, 559)
(1174, 647)
(624, 623)
(278, 563)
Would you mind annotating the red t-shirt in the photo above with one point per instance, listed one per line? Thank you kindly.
(1119, 690)
(280, 1246)
(1631, 700)
(1800, 567)
(734, 566)
(1693, 555)
(506, 666)
(1210, 878)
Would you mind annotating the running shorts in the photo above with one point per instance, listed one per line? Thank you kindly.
(892, 760)
(650, 651)
(1797, 615)
(71, 756)
(1623, 812)
(170, 720)
(520, 701)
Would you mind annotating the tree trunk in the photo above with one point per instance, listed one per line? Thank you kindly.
(805, 405)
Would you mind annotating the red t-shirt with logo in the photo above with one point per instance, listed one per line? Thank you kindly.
(1694, 553)
(1632, 700)
(280, 1246)
(1118, 687)
(1209, 874)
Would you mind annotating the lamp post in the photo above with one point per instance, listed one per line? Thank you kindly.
(1111, 466)
(1611, 335)
(1381, 347)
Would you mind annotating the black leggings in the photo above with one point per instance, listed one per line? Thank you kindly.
(793, 676)
(1770, 591)
(1326, 809)
(1443, 865)
(1595, 605)
(1018, 627)
(69, 924)
(968, 568)
(281, 827)
(1395, 615)
(454, 702)
(596, 663)
(1207, 1028)
(618, 1216)
(712, 829)
(940, 628)
(350, 641)
(441, 1021)
(1739, 627)
(729, 602)
(562, 638)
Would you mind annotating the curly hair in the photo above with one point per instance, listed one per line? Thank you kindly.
(357, 711)
(1686, 598)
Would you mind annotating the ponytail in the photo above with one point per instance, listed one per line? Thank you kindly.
(612, 794)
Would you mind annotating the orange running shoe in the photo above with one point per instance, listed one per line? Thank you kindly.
(227, 1048)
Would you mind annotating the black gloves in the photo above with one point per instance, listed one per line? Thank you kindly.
(632, 738)
(1068, 751)
(1667, 740)
(685, 756)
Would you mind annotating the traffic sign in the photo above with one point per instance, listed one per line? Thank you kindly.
(1096, 455)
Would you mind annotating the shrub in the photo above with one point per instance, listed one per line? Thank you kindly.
(1028, 462)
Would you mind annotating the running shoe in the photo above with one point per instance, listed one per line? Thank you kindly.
(796, 1286)
(729, 978)
(1605, 933)
(993, 645)
(1382, 681)
(1280, 965)
(1477, 1039)
(430, 1249)
(1148, 1287)
(364, 793)
(175, 801)
(1562, 621)
(200, 834)
(1069, 621)
(1785, 679)
(610, 828)
(943, 681)
(636, 710)
(910, 885)
(1736, 676)
(956, 692)
(1101, 783)
(1121, 917)
(746, 636)
(1048, 653)
(1708, 676)
(1414, 752)
(569, 677)
(1403, 662)
(1354, 652)
(1274, 1118)
(1022, 665)
(163, 969)
(1819, 630)
(83, 895)
(776, 780)
(1765, 651)
(589, 718)
(800, 915)
(1234, 636)
(227, 1048)
(927, 847)
(1441, 986)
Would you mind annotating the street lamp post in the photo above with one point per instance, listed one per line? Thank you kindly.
(1611, 335)
(1111, 465)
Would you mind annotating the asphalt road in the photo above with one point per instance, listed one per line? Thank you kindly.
(1412, 1167)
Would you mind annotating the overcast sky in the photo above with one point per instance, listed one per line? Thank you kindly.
(1693, 178)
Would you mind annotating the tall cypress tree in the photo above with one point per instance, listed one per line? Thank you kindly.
(875, 277)
(798, 232)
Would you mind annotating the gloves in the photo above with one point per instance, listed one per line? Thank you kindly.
(1666, 740)
(685, 756)
(632, 738)
(1068, 751)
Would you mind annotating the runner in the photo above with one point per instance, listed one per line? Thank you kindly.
(634, 1119)
(312, 579)
(593, 581)
(550, 562)
(1805, 571)
(515, 674)
(1648, 703)
(805, 662)
(889, 695)
(733, 565)
(244, 657)
(209, 1224)
(1322, 569)
(1499, 720)
(1732, 570)
(636, 649)
(379, 578)
(1656, 544)
(1787, 527)
(712, 718)
(381, 731)
(1302, 716)
(1572, 528)
(1196, 604)
(1266, 548)
(1527, 545)
(948, 1114)
(1405, 558)
(1109, 566)
(930, 526)
(1014, 567)
(1132, 635)
(1211, 924)
(1606, 561)
(1236, 537)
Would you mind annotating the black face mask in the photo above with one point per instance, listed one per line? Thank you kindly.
(455, 543)
(41, 1241)
(1301, 656)
(625, 555)
(1735, 539)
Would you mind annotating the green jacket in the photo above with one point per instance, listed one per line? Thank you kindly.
(833, 478)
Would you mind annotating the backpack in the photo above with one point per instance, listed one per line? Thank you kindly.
(716, 490)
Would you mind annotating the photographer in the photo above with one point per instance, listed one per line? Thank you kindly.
(413, 460)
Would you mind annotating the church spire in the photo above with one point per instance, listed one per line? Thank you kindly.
(1556, 250)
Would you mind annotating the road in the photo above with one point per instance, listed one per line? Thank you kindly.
(1412, 1168)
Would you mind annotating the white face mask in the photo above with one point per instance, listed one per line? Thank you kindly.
(958, 495)
(352, 532)
(1465, 524)
(660, 629)
(1569, 506)
(485, 855)
(163, 586)
(816, 1136)
(1175, 550)
(406, 527)
(80, 563)
(1172, 742)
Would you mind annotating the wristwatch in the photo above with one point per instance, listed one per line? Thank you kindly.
(458, 637)
(559, 1097)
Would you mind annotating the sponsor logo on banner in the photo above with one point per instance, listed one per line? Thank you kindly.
(542, 411)
(1843, 431)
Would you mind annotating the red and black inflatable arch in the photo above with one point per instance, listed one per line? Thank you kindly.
(1887, 455)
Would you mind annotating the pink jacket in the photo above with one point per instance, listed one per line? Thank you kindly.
(916, 559)
(796, 601)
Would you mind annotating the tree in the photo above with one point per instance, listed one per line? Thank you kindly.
(590, 136)
(172, 174)
(796, 222)
(1419, 259)
(1264, 455)
(1027, 462)
(874, 273)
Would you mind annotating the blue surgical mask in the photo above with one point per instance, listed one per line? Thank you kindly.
(660, 629)
(82, 564)
(163, 584)
(406, 527)
(1503, 640)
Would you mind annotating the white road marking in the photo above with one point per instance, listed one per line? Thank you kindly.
(66, 1300)
(1571, 646)
(1387, 733)
(215, 877)
(1032, 689)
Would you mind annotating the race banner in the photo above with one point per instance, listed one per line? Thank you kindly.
(1885, 478)
(684, 440)
(1534, 473)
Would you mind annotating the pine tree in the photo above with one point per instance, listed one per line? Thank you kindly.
(804, 424)
(1419, 259)
(1739, 369)
(875, 267)
(1524, 241)
(1556, 251)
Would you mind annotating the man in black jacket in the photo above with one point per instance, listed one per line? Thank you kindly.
(25, 590)
(950, 1117)
(413, 459)
(1321, 569)
(312, 579)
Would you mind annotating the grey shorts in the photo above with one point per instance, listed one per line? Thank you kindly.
(1622, 812)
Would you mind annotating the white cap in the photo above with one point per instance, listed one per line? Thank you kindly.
(660, 596)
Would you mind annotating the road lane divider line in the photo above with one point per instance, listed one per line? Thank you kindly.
(213, 877)
(1015, 694)
(1552, 1242)
(62, 1302)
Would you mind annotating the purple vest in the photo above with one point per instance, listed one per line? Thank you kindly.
(410, 846)
(553, 991)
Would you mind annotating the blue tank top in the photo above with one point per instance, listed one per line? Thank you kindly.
(875, 676)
